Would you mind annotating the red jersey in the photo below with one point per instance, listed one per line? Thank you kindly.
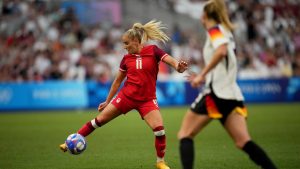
(141, 71)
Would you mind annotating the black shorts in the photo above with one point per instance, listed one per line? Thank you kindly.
(217, 108)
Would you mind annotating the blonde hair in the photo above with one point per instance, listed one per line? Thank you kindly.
(151, 30)
(216, 10)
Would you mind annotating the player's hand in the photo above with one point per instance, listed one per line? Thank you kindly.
(102, 106)
(182, 66)
(195, 80)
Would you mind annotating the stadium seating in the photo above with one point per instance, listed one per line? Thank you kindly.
(43, 41)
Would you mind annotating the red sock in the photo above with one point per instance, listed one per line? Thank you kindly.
(160, 141)
(89, 127)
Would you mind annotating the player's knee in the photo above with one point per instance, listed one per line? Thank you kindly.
(185, 134)
(240, 144)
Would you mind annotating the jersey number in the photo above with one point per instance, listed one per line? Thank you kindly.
(138, 63)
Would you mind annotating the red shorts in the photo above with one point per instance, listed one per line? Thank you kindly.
(125, 104)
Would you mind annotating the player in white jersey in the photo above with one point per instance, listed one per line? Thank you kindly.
(221, 97)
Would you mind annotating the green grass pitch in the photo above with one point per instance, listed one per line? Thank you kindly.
(30, 140)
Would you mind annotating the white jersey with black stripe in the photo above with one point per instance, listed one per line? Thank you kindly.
(222, 78)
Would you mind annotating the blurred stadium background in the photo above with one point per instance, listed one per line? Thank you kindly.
(58, 58)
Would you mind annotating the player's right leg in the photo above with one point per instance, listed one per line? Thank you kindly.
(192, 124)
(194, 121)
(109, 113)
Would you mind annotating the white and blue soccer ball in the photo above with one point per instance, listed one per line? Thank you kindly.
(76, 143)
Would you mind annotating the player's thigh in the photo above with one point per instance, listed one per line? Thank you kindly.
(192, 124)
(153, 119)
(110, 112)
(236, 126)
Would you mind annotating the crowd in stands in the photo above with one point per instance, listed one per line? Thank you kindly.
(41, 41)
(50, 43)
(268, 36)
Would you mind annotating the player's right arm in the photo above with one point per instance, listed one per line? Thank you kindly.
(113, 89)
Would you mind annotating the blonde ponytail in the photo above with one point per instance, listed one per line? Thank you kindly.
(216, 9)
(151, 30)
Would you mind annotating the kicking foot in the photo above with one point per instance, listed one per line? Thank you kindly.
(162, 165)
(63, 147)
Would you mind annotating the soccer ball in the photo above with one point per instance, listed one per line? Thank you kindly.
(76, 143)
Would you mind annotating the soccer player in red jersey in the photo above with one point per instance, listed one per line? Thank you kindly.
(140, 68)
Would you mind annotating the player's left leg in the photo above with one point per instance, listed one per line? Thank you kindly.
(236, 126)
(192, 124)
(155, 121)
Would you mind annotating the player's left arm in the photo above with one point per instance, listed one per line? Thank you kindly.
(180, 66)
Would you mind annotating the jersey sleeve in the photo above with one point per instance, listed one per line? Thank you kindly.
(159, 53)
(123, 67)
(217, 37)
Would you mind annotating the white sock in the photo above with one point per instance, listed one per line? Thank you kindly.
(159, 159)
